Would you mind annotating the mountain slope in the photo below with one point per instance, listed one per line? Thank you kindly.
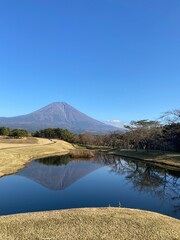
(57, 115)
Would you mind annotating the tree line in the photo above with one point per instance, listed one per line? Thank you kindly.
(143, 134)
(14, 133)
(57, 133)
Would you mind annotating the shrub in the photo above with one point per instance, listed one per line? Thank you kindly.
(81, 154)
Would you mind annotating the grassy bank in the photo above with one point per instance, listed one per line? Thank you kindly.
(92, 223)
(15, 153)
(164, 158)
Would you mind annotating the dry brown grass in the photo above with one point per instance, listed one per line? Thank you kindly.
(81, 153)
(13, 156)
(92, 223)
(25, 140)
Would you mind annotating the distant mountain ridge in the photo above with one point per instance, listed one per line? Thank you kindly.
(57, 115)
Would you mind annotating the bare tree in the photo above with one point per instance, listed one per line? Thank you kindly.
(142, 132)
(172, 116)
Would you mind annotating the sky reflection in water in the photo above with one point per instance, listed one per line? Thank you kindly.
(59, 183)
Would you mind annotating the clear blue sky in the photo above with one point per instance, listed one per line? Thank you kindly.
(111, 59)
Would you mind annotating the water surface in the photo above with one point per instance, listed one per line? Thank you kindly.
(60, 183)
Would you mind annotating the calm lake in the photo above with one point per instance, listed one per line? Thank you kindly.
(60, 183)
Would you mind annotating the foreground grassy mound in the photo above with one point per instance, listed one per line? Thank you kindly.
(15, 153)
(92, 223)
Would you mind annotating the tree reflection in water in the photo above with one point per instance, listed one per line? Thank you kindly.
(54, 160)
(160, 182)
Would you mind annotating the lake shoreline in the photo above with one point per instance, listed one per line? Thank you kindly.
(158, 160)
(14, 157)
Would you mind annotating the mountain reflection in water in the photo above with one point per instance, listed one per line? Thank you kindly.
(61, 183)
(57, 173)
